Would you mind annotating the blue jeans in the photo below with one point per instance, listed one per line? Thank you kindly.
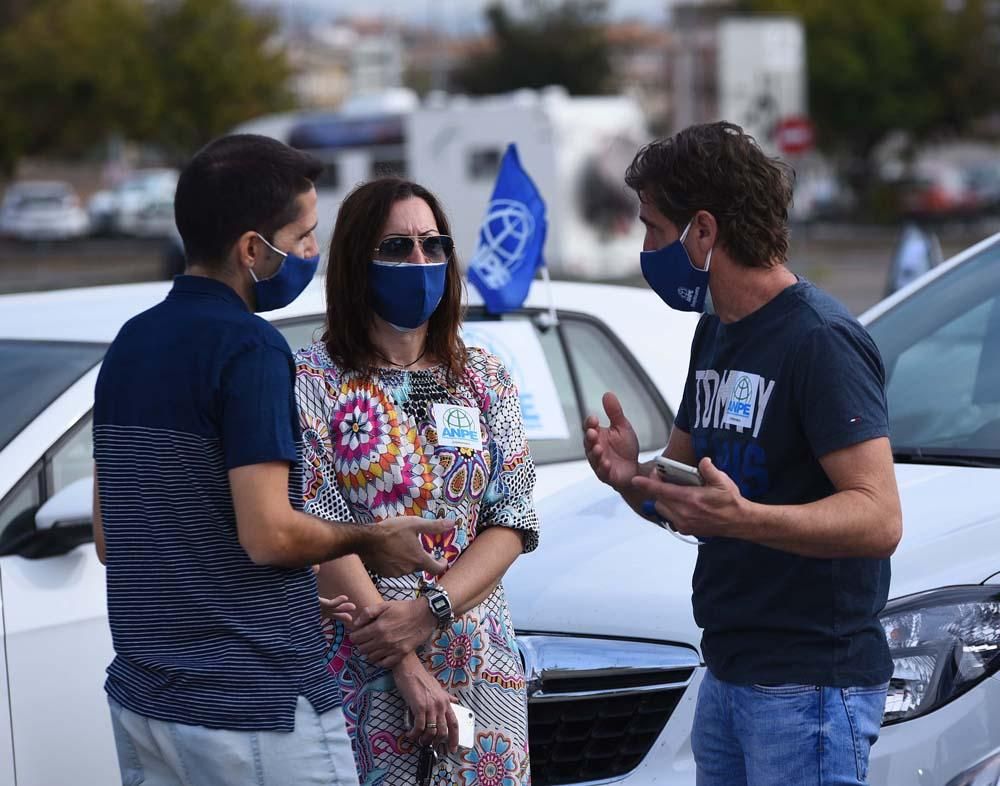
(787, 734)
(158, 753)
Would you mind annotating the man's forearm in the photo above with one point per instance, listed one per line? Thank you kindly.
(850, 523)
(347, 576)
(303, 540)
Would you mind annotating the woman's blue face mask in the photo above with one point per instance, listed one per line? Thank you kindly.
(405, 294)
(672, 275)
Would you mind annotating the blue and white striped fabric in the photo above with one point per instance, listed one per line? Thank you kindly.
(190, 389)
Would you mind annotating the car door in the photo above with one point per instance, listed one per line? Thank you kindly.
(56, 635)
(57, 644)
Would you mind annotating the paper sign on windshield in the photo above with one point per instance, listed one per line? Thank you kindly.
(516, 344)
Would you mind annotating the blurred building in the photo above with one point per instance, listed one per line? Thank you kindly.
(334, 61)
(639, 54)
(693, 77)
(640, 61)
(749, 71)
(432, 55)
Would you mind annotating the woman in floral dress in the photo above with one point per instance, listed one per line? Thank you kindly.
(400, 418)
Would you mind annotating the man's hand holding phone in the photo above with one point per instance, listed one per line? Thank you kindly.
(699, 501)
(676, 472)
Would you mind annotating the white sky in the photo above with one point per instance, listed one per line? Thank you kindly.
(452, 15)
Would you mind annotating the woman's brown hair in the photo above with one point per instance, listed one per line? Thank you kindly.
(349, 303)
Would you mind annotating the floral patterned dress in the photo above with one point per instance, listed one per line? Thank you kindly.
(371, 450)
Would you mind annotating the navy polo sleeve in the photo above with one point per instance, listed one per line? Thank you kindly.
(259, 423)
(841, 387)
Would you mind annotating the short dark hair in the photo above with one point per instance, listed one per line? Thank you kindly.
(349, 303)
(719, 168)
(235, 184)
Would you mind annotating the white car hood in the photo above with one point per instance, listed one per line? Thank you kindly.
(951, 527)
(600, 570)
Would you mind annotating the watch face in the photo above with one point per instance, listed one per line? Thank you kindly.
(440, 605)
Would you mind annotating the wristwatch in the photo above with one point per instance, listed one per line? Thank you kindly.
(440, 604)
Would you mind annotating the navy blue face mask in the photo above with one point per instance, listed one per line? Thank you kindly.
(405, 294)
(286, 284)
(672, 275)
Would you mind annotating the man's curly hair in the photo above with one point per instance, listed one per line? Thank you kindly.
(719, 168)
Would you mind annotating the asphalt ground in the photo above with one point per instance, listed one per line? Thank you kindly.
(852, 263)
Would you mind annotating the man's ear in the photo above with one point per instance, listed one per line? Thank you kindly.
(247, 251)
(705, 230)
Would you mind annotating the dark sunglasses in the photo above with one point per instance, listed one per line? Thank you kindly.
(398, 248)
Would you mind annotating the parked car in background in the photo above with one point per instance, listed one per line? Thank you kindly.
(984, 180)
(56, 643)
(938, 190)
(604, 606)
(141, 205)
(42, 210)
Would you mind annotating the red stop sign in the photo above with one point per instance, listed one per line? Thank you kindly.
(795, 135)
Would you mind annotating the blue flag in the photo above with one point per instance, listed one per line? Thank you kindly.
(510, 239)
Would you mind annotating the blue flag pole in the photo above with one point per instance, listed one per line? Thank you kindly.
(511, 239)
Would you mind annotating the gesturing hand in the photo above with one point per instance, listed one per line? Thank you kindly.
(387, 632)
(613, 451)
(394, 547)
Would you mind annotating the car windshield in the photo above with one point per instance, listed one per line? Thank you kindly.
(34, 374)
(941, 348)
(41, 200)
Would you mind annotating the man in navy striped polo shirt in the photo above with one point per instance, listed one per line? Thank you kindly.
(219, 675)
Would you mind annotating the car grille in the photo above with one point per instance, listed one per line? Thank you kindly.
(596, 706)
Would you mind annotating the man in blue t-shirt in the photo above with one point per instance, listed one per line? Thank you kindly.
(784, 415)
(220, 673)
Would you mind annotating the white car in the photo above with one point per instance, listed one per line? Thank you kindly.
(42, 210)
(603, 607)
(611, 648)
(55, 632)
(141, 205)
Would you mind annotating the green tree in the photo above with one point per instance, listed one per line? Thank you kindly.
(924, 67)
(216, 68)
(11, 10)
(174, 73)
(74, 72)
(553, 43)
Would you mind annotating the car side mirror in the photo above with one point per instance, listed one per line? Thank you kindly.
(71, 505)
(64, 522)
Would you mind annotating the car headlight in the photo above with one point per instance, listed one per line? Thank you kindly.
(942, 643)
(984, 773)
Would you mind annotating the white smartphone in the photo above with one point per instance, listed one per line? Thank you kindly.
(675, 472)
(466, 725)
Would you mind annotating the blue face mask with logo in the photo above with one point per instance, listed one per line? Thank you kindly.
(286, 284)
(406, 295)
(672, 275)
